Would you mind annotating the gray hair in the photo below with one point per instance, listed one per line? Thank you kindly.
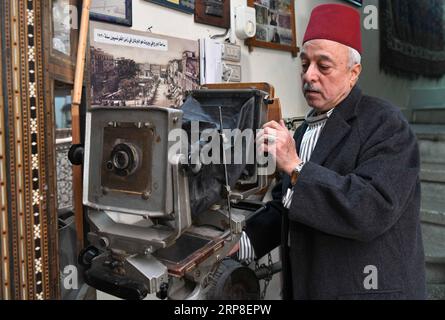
(354, 57)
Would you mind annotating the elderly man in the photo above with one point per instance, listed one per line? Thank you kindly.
(346, 211)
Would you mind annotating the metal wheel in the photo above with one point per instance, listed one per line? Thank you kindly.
(233, 281)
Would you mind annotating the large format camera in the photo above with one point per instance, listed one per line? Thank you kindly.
(159, 222)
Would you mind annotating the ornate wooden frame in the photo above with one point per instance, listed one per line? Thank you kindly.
(60, 66)
(127, 21)
(202, 17)
(30, 262)
(172, 5)
(292, 48)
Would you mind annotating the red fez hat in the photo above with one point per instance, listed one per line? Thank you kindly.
(335, 22)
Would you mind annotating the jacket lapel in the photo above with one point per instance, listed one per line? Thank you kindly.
(298, 136)
(333, 133)
(337, 127)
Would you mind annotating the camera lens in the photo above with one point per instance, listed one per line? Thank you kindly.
(121, 160)
(124, 159)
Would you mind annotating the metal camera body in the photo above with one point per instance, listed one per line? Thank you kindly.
(136, 192)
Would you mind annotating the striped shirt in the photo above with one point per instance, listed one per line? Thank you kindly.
(315, 124)
(312, 133)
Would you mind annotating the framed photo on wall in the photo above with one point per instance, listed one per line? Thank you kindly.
(275, 25)
(213, 12)
(187, 6)
(62, 28)
(356, 2)
(114, 11)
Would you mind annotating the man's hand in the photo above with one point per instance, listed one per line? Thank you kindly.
(278, 141)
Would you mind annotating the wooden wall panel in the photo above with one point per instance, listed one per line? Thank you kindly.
(30, 270)
(4, 236)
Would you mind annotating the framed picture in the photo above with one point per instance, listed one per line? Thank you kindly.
(137, 68)
(275, 25)
(187, 6)
(356, 2)
(63, 27)
(114, 11)
(213, 12)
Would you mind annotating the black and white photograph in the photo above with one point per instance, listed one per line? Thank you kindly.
(262, 15)
(187, 6)
(157, 73)
(284, 5)
(265, 3)
(273, 18)
(284, 21)
(114, 11)
(262, 33)
(273, 4)
(273, 35)
(285, 36)
(61, 27)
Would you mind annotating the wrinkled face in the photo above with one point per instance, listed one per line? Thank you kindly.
(327, 78)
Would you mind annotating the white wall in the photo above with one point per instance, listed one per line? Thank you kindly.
(279, 68)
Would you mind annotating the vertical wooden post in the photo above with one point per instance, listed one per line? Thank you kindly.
(75, 112)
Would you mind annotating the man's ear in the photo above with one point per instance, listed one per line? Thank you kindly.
(355, 73)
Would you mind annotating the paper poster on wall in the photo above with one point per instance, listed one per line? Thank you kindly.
(135, 68)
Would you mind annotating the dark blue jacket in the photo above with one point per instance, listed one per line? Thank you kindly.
(356, 204)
